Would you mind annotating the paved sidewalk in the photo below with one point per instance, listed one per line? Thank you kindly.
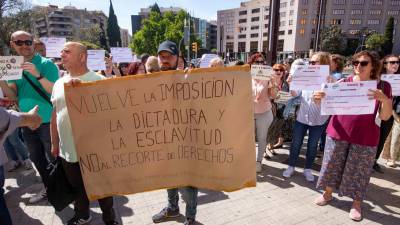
(274, 201)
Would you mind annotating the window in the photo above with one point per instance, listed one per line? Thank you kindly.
(254, 19)
(282, 14)
(266, 8)
(375, 12)
(266, 17)
(241, 13)
(303, 21)
(291, 12)
(376, 2)
(279, 46)
(254, 35)
(336, 22)
(255, 10)
(229, 37)
(289, 32)
(304, 12)
(281, 32)
(240, 36)
(255, 27)
(356, 12)
(301, 31)
(305, 2)
(355, 22)
(373, 22)
(242, 47)
(312, 43)
(283, 5)
(290, 22)
(313, 31)
(265, 34)
(242, 20)
(393, 13)
(253, 46)
(266, 25)
(338, 11)
(358, 2)
(282, 23)
(339, 2)
(291, 2)
(395, 2)
(314, 21)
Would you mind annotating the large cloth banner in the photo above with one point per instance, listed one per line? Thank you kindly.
(165, 130)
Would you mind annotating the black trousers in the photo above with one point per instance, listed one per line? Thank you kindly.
(386, 127)
(81, 205)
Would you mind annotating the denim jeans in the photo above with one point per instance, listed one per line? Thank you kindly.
(38, 143)
(314, 134)
(189, 195)
(14, 147)
(5, 218)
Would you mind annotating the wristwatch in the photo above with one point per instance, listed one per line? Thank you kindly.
(39, 77)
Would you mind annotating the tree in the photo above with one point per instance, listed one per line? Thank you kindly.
(332, 40)
(113, 32)
(103, 37)
(155, 8)
(90, 45)
(375, 42)
(91, 34)
(388, 44)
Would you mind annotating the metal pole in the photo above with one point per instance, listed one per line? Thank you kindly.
(273, 31)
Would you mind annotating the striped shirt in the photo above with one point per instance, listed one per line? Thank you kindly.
(309, 112)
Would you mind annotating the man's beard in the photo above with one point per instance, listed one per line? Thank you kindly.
(166, 67)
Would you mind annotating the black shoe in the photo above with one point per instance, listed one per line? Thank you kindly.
(112, 222)
(79, 220)
(165, 214)
(377, 168)
(189, 221)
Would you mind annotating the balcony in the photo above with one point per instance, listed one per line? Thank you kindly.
(55, 22)
(62, 29)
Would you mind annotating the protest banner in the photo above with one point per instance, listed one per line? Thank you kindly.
(165, 130)
(10, 67)
(54, 45)
(96, 60)
(394, 80)
(121, 55)
(348, 98)
(309, 78)
(261, 72)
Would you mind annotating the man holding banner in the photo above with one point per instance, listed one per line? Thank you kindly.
(39, 75)
(74, 58)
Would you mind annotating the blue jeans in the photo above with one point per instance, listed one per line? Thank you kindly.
(189, 195)
(5, 218)
(39, 146)
(314, 134)
(14, 147)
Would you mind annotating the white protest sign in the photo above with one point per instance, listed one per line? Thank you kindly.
(261, 72)
(348, 98)
(53, 46)
(205, 60)
(122, 55)
(283, 97)
(309, 78)
(96, 60)
(10, 67)
(394, 80)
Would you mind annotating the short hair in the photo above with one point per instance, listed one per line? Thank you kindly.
(375, 62)
(339, 60)
(152, 65)
(323, 57)
(384, 63)
(216, 62)
(20, 32)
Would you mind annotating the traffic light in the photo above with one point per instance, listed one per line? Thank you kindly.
(194, 46)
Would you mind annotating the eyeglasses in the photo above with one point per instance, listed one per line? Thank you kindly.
(313, 62)
(26, 42)
(362, 63)
(279, 70)
(392, 62)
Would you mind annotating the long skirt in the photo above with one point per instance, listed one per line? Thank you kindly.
(346, 167)
(391, 149)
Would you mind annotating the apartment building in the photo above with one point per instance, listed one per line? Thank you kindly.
(245, 29)
(125, 37)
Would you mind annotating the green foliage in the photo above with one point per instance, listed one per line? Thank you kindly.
(155, 8)
(332, 40)
(113, 32)
(388, 45)
(91, 34)
(375, 42)
(90, 45)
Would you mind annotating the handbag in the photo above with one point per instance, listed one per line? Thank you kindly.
(60, 192)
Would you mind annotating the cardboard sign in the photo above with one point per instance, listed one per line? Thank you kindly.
(122, 55)
(96, 60)
(261, 72)
(164, 130)
(206, 59)
(10, 67)
(53, 46)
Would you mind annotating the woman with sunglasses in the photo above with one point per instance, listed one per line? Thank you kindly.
(263, 91)
(279, 128)
(308, 119)
(390, 66)
(352, 139)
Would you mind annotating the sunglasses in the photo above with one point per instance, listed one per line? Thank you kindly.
(313, 62)
(362, 63)
(279, 70)
(392, 62)
(259, 62)
(26, 42)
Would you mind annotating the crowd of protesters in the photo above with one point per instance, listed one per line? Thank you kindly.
(351, 144)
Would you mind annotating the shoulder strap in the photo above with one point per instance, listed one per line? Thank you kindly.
(37, 89)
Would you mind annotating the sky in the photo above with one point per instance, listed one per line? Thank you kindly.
(204, 9)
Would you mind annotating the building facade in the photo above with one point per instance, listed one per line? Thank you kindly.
(125, 37)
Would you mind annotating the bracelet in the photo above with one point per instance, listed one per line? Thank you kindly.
(40, 77)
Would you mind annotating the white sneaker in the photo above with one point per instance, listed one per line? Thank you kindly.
(258, 167)
(38, 197)
(308, 174)
(13, 165)
(27, 163)
(288, 172)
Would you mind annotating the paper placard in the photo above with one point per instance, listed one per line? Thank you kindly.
(10, 67)
(96, 60)
(309, 78)
(205, 60)
(261, 72)
(348, 98)
(283, 97)
(121, 55)
(394, 80)
(167, 129)
(54, 46)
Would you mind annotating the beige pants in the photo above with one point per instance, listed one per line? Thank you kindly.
(391, 148)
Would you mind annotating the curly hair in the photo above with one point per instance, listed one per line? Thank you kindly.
(375, 62)
(254, 57)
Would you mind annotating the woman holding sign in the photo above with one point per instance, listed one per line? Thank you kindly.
(263, 91)
(352, 139)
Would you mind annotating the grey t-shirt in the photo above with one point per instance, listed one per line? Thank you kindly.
(9, 121)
